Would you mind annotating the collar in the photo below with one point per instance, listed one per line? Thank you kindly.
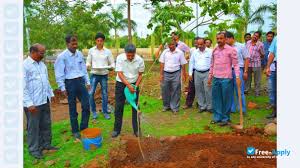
(134, 59)
(103, 49)
(32, 61)
(226, 46)
(70, 53)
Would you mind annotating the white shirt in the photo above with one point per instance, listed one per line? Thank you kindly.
(130, 69)
(100, 61)
(200, 61)
(36, 86)
(172, 60)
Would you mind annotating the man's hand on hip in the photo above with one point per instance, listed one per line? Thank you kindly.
(32, 109)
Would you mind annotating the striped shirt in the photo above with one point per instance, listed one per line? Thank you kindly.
(255, 51)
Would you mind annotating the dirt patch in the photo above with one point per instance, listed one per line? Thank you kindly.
(205, 150)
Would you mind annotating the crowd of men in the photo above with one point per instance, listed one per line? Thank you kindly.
(214, 74)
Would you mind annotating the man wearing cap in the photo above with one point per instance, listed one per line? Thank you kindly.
(100, 61)
(129, 68)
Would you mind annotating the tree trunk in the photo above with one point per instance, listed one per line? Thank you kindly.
(129, 22)
(116, 41)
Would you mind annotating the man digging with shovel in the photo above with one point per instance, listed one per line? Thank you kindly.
(129, 68)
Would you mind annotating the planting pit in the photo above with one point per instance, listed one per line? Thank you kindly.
(192, 151)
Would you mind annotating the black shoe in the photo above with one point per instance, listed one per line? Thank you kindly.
(77, 135)
(52, 148)
(209, 110)
(37, 155)
(136, 134)
(115, 134)
(222, 124)
(166, 109)
(202, 110)
(271, 116)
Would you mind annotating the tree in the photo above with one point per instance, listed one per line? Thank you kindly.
(273, 17)
(117, 20)
(247, 16)
(168, 15)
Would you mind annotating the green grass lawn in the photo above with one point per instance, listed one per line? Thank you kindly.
(154, 123)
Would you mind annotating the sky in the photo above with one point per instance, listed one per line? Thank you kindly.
(142, 16)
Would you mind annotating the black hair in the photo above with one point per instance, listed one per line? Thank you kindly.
(259, 33)
(130, 48)
(197, 38)
(228, 34)
(222, 32)
(208, 40)
(99, 35)
(70, 37)
(33, 48)
(247, 34)
(270, 32)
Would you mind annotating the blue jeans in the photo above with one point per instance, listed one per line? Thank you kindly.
(235, 99)
(76, 89)
(221, 99)
(272, 87)
(102, 79)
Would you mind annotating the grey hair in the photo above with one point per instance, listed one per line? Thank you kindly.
(130, 48)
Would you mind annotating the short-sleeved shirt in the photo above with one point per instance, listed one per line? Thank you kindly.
(100, 58)
(172, 60)
(255, 53)
(130, 69)
(273, 48)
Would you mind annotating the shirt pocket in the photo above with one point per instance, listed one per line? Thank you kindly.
(79, 63)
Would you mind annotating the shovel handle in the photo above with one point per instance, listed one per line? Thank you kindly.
(240, 101)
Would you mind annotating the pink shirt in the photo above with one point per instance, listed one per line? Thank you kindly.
(222, 61)
(255, 53)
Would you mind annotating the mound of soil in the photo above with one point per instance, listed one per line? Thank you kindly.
(192, 151)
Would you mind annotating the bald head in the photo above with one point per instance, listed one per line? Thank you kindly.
(37, 52)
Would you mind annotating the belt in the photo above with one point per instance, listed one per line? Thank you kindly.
(202, 71)
(172, 72)
(75, 78)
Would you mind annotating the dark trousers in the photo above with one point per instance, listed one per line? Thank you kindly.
(119, 108)
(191, 93)
(38, 128)
(76, 89)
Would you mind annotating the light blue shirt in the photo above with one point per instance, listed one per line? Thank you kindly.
(36, 86)
(242, 53)
(200, 61)
(273, 48)
(70, 66)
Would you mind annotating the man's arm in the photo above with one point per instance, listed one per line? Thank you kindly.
(111, 60)
(139, 80)
(27, 101)
(59, 68)
(89, 60)
(84, 70)
(50, 90)
(191, 65)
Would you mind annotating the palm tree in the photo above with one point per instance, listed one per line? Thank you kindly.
(117, 20)
(247, 16)
(273, 17)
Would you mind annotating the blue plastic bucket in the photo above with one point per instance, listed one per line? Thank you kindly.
(92, 143)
